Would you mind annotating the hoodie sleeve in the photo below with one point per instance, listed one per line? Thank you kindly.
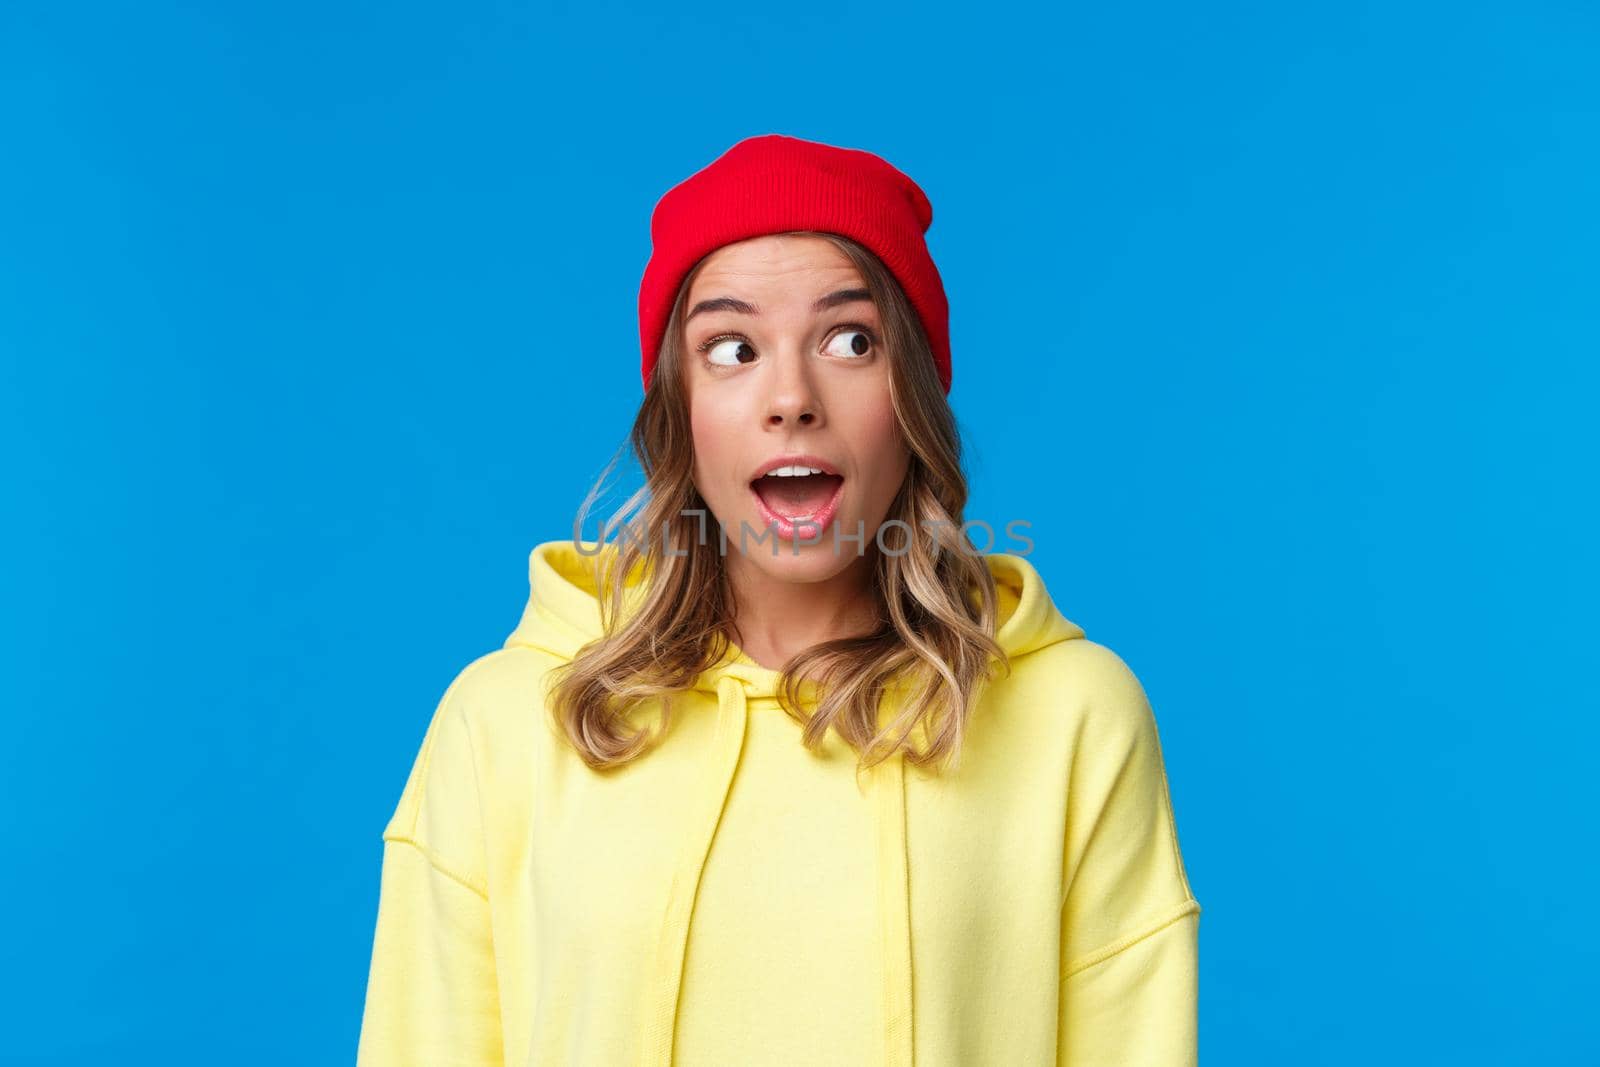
(1129, 923)
(432, 996)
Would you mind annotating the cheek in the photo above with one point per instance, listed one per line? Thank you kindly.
(880, 427)
(714, 439)
(878, 435)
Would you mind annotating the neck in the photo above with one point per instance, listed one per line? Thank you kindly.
(775, 619)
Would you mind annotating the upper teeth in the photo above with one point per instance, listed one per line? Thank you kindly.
(792, 472)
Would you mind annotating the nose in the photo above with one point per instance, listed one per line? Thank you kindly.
(793, 400)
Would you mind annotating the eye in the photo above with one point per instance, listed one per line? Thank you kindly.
(851, 342)
(727, 351)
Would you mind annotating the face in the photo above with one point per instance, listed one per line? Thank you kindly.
(784, 358)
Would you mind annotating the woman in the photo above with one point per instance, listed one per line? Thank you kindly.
(788, 771)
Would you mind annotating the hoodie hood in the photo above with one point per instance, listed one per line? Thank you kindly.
(563, 614)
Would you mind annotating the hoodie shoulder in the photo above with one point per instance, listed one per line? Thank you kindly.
(502, 694)
(1104, 683)
(467, 781)
(1084, 686)
(1124, 874)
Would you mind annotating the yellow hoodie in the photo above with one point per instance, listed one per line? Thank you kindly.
(733, 898)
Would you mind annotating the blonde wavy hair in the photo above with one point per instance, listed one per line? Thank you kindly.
(932, 636)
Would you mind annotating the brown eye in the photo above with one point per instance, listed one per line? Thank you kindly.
(730, 352)
(851, 343)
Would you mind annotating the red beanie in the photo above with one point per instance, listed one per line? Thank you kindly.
(772, 184)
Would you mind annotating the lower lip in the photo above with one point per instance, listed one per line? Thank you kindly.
(813, 526)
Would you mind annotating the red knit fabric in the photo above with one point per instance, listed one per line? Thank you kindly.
(773, 183)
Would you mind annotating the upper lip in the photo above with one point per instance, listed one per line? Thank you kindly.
(797, 459)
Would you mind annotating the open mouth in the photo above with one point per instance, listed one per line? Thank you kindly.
(796, 496)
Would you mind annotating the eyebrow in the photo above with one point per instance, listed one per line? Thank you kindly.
(729, 303)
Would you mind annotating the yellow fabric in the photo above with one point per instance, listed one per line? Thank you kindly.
(732, 897)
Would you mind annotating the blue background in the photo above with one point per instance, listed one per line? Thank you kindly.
(1278, 322)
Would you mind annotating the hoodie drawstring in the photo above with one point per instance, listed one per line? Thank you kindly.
(894, 906)
(888, 787)
(662, 1018)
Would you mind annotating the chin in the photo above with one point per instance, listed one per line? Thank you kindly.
(794, 561)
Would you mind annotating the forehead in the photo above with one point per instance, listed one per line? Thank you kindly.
(776, 265)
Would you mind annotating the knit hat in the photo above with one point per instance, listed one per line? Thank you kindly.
(773, 183)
